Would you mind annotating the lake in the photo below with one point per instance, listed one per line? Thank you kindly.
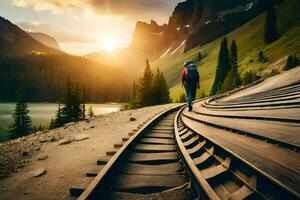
(41, 113)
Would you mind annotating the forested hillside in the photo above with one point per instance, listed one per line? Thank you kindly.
(42, 72)
(250, 42)
(43, 77)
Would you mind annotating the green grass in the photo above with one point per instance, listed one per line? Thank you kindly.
(249, 38)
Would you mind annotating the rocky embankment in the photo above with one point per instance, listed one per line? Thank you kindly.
(16, 153)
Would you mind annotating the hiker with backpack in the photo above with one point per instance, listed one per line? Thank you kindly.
(190, 81)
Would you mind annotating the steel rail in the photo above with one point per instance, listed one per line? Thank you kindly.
(98, 186)
(263, 184)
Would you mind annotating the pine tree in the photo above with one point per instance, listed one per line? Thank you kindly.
(199, 56)
(134, 88)
(223, 67)
(160, 93)
(233, 56)
(232, 79)
(151, 90)
(83, 111)
(225, 61)
(58, 118)
(145, 87)
(291, 62)
(22, 122)
(156, 88)
(271, 33)
(165, 93)
(83, 103)
(76, 107)
(67, 109)
(71, 110)
(234, 63)
(133, 98)
(296, 61)
(91, 112)
(34, 129)
(52, 124)
(40, 128)
(231, 82)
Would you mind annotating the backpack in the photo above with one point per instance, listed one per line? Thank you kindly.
(192, 74)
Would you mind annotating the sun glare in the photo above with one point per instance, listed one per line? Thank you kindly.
(109, 43)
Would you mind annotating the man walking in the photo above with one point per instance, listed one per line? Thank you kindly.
(190, 81)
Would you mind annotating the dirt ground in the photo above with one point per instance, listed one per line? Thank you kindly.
(64, 164)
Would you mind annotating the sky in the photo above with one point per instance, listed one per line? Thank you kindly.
(84, 26)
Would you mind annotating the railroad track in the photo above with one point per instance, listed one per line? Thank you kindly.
(254, 151)
(222, 168)
(279, 97)
(189, 155)
(146, 166)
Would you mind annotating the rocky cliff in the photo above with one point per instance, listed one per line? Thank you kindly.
(193, 23)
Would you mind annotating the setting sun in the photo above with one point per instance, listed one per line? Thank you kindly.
(109, 43)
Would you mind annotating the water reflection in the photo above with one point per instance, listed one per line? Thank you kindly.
(41, 113)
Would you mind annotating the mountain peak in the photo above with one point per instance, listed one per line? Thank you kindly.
(45, 39)
(14, 40)
(151, 27)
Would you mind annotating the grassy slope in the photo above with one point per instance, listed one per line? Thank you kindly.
(249, 38)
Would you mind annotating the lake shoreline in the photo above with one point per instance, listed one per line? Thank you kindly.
(42, 113)
(36, 102)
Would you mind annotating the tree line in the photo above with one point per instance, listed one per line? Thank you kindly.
(227, 77)
(71, 108)
(151, 89)
(42, 78)
(291, 62)
(22, 123)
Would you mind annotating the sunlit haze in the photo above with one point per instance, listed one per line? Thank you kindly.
(84, 26)
(109, 43)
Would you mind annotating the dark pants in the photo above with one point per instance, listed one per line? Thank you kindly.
(190, 89)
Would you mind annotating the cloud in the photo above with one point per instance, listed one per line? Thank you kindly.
(132, 7)
(55, 6)
(60, 36)
(82, 23)
(35, 26)
(125, 8)
(72, 38)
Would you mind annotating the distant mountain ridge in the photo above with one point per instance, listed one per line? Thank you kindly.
(46, 40)
(14, 40)
(192, 23)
